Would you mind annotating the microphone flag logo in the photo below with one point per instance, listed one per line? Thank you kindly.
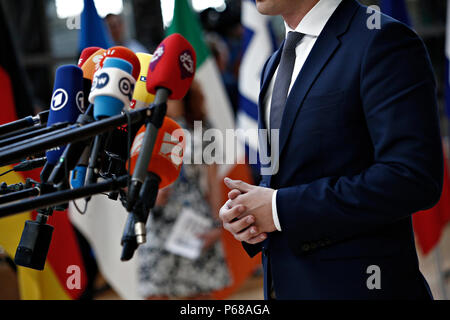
(59, 99)
(159, 52)
(186, 64)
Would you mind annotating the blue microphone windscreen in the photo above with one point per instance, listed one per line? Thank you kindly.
(67, 101)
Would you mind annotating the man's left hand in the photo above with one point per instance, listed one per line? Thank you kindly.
(257, 202)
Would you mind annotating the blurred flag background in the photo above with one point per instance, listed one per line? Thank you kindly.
(41, 35)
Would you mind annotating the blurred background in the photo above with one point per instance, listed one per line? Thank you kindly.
(46, 34)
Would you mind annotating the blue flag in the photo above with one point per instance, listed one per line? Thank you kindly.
(258, 45)
(93, 29)
(397, 9)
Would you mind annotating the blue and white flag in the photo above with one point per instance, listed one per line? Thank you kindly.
(258, 45)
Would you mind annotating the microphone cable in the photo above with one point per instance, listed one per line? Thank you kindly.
(6, 172)
(27, 165)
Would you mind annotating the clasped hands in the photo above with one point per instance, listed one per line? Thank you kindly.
(247, 214)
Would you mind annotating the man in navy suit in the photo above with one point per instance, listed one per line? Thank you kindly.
(359, 153)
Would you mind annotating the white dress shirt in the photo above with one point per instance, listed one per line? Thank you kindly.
(311, 26)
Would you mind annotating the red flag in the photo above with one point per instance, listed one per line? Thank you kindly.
(429, 224)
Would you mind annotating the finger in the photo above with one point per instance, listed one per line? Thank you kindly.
(229, 204)
(226, 215)
(259, 238)
(247, 234)
(233, 202)
(233, 194)
(239, 225)
(237, 184)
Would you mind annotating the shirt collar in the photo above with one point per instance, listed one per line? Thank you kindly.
(316, 19)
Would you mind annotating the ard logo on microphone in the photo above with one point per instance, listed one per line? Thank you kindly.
(59, 99)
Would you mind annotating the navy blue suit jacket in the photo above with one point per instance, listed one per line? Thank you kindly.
(360, 152)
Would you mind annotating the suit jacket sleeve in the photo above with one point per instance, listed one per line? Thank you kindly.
(397, 90)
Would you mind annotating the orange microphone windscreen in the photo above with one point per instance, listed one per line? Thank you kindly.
(89, 66)
(86, 53)
(167, 155)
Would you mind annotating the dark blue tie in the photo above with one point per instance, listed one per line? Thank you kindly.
(283, 79)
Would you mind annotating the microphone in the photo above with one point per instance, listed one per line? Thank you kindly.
(90, 65)
(8, 129)
(122, 53)
(87, 79)
(78, 174)
(30, 164)
(163, 169)
(141, 97)
(112, 88)
(34, 243)
(170, 74)
(172, 67)
(167, 155)
(89, 59)
(86, 53)
(66, 105)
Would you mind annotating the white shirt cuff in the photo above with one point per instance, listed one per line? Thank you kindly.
(276, 222)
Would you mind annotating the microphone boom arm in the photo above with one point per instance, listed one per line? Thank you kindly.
(78, 133)
(60, 197)
(153, 124)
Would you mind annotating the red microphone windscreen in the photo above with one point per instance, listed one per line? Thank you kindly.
(85, 54)
(125, 54)
(167, 155)
(172, 66)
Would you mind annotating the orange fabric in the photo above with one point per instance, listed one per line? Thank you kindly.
(241, 266)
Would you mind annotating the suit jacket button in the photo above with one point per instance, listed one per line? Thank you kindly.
(305, 247)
